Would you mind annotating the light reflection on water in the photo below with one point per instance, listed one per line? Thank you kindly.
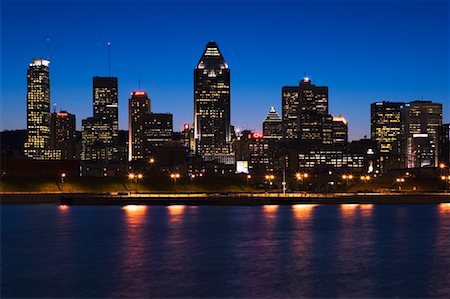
(268, 251)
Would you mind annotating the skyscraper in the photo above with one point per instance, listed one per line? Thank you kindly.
(313, 109)
(37, 145)
(138, 109)
(105, 120)
(385, 129)
(272, 125)
(305, 111)
(106, 103)
(212, 129)
(421, 125)
(63, 134)
(290, 103)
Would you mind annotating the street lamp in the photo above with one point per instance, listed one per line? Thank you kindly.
(399, 182)
(446, 179)
(63, 176)
(174, 176)
(269, 178)
(135, 177)
(365, 178)
(301, 176)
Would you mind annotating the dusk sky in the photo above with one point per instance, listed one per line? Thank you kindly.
(364, 51)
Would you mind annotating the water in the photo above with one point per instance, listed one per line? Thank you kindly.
(243, 251)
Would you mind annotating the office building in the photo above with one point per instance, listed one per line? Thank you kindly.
(212, 128)
(385, 129)
(38, 144)
(104, 125)
(305, 111)
(138, 109)
(339, 130)
(421, 124)
(272, 125)
(158, 129)
(63, 134)
(444, 145)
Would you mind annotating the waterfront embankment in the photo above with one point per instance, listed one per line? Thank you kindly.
(225, 198)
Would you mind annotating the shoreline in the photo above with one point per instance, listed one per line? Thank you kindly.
(223, 198)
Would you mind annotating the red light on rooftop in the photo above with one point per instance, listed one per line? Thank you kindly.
(186, 126)
(139, 93)
(61, 114)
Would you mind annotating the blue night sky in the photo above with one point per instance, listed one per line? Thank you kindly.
(363, 51)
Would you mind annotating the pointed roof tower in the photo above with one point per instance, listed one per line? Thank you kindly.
(212, 59)
(273, 115)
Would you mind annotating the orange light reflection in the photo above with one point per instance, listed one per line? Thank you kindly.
(349, 209)
(63, 208)
(176, 210)
(302, 211)
(270, 208)
(444, 208)
(135, 214)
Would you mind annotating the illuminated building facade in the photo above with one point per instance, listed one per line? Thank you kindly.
(272, 125)
(385, 129)
(63, 134)
(212, 129)
(305, 112)
(313, 110)
(158, 129)
(290, 111)
(38, 144)
(421, 124)
(96, 141)
(339, 131)
(138, 108)
(100, 133)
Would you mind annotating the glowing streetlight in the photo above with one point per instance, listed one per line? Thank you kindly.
(442, 166)
(63, 176)
(151, 160)
(269, 178)
(446, 179)
(174, 177)
(365, 178)
(400, 181)
(135, 177)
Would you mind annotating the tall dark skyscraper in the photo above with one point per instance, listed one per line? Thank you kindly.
(138, 109)
(38, 144)
(421, 125)
(106, 103)
(385, 124)
(212, 129)
(101, 132)
(385, 130)
(313, 109)
(147, 131)
(63, 134)
(305, 111)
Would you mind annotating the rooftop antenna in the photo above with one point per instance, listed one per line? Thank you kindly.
(139, 83)
(47, 40)
(54, 108)
(109, 59)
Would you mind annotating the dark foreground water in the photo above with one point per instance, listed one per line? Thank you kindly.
(241, 251)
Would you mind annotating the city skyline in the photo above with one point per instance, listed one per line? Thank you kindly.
(173, 93)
